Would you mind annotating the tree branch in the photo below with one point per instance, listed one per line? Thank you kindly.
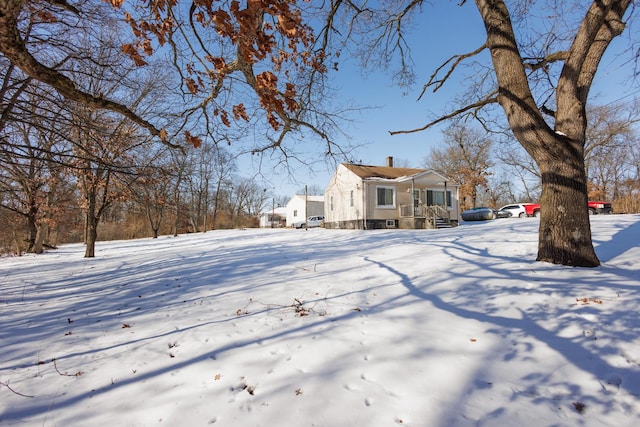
(457, 59)
(490, 99)
(13, 46)
(544, 62)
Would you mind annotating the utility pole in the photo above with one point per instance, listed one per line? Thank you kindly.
(306, 210)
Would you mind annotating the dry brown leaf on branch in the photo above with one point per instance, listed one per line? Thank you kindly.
(192, 139)
(239, 112)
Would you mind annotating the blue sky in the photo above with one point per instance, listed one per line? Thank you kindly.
(433, 41)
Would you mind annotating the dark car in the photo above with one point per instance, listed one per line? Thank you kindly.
(479, 214)
(503, 213)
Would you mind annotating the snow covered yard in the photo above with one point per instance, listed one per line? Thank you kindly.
(262, 327)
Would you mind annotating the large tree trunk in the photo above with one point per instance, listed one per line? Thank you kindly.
(41, 235)
(32, 230)
(32, 227)
(565, 230)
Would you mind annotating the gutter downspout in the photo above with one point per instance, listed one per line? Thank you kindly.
(458, 203)
(364, 204)
(413, 201)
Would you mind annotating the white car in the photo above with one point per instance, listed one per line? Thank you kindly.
(312, 221)
(517, 210)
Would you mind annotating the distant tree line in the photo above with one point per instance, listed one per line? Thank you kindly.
(113, 188)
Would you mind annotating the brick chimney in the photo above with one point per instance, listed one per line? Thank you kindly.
(390, 161)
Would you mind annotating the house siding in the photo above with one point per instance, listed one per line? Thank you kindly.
(339, 212)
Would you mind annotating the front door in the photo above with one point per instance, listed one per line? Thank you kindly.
(416, 203)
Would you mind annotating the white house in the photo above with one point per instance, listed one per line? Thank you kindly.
(273, 218)
(369, 197)
(301, 206)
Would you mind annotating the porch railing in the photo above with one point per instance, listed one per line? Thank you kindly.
(432, 213)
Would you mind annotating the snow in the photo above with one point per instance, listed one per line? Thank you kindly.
(280, 327)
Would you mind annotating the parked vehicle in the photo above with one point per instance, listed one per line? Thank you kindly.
(478, 214)
(595, 208)
(503, 213)
(533, 209)
(312, 221)
(517, 209)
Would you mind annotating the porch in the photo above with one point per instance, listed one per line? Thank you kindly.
(422, 216)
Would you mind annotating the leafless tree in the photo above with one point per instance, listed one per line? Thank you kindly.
(32, 178)
(465, 158)
(311, 190)
(522, 167)
(151, 188)
(247, 199)
(611, 138)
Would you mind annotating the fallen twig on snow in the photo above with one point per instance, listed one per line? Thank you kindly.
(65, 374)
(13, 391)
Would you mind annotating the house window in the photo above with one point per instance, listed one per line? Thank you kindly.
(351, 199)
(385, 197)
(295, 213)
(437, 197)
(331, 203)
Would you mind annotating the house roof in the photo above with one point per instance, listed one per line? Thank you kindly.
(309, 198)
(393, 174)
(385, 172)
(281, 210)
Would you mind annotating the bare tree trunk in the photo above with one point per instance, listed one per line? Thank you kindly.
(154, 224)
(32, 228)
(33, 231)
(16, 241)
(92, 236)
(176, 224)
(216, 201)
(565, 229)
(43, 231)
(91, 228)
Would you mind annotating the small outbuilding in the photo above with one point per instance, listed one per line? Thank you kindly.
(302, 206)
(274, 218)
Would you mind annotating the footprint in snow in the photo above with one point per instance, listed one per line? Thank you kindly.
(352, 387)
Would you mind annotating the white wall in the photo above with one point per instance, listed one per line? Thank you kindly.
(299, 208)
(343, 187)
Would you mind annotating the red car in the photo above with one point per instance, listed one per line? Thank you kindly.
(595, 208)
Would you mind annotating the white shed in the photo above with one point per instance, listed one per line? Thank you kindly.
(300, 207)
(273, 218)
